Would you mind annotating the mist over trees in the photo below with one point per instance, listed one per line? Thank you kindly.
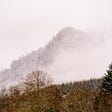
(64, 57)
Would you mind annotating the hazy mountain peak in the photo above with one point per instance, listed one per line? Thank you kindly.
(67, 32)
(66, 54)
(67, 38)
(71, 38)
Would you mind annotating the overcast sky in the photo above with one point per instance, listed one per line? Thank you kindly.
(26, 25)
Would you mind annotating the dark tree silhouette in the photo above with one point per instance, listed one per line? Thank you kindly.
(107, 80)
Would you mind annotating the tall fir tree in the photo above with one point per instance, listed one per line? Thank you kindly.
(107, 80)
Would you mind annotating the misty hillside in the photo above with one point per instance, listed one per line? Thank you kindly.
(62, 57)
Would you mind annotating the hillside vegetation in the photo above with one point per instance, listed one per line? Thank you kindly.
(38, 94)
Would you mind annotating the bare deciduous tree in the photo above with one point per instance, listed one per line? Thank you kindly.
(36, 80)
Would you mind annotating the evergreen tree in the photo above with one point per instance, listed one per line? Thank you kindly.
(107, 80)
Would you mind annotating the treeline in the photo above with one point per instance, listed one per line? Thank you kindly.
(92, 84)
(38, 94)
